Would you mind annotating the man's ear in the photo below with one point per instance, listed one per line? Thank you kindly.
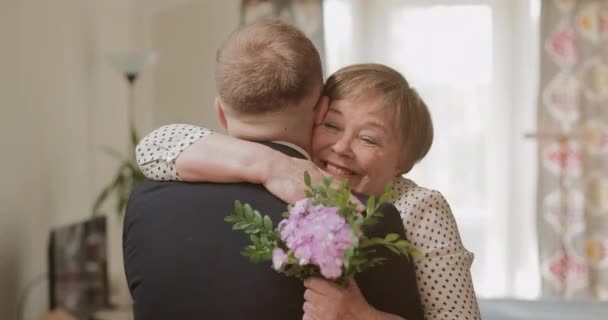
(321, 109)
(220, 113)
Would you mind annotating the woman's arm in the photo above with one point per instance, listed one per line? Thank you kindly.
(157, 151)
(445, 263)
(221, 158)
(191, 153)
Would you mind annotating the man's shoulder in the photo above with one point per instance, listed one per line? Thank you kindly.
(159, 196)
(150, 186)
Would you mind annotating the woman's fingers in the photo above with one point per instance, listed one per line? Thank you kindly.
(311, 296)
(310, 313)
(322, 286)
(307, 307)
(308, 317)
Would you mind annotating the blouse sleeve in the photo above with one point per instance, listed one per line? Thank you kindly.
(443, 269)
(156, 152)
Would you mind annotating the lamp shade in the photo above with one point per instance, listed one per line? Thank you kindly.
(132, 62)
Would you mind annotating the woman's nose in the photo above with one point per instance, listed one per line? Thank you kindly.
(342, 146)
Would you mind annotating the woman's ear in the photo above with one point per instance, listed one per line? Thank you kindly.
(220, 113)
(321, 109)
(402, 169)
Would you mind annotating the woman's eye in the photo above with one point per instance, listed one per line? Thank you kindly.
(369, 140)
(331, 125)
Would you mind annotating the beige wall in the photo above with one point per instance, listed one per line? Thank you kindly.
(60, 102)
(187, 38)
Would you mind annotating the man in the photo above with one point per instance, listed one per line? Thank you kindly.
(182, 260)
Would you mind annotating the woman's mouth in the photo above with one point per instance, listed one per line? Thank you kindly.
(338, 170)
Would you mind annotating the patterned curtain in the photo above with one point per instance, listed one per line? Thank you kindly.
(573, 149)
(307, 15)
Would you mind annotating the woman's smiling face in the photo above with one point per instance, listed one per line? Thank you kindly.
(357, 141)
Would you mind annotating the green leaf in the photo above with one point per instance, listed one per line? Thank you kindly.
(371, 205)
(134, 135)
(257, 219)
(307, 179)
(355, 241)
(241, 225)
(393, 249)
(391, 237)
(267, 223)
(231, 218)
(388, 194)
(252, 231)
(238, 208)
(247, 209)
(248, 213)
(348, 254)
(126, 177)
(370, 221)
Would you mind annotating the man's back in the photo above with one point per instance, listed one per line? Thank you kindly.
(183, 261)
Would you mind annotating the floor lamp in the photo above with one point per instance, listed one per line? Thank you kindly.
(131, 65)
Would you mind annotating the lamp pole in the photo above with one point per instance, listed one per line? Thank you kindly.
(131, 79)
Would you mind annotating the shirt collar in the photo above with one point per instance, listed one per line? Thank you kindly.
(295, 147)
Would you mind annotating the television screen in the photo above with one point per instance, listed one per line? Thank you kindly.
(78, 274)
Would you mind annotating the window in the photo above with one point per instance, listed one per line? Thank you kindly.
(459, 56)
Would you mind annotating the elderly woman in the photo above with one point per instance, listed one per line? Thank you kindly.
(375, 130)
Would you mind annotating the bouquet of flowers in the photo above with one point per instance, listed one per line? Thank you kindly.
(321, 235)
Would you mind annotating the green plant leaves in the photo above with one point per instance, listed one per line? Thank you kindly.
(361, 256)
(261, 234)
(126, 177)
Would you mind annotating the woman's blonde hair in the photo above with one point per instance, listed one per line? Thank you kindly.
(412, 123)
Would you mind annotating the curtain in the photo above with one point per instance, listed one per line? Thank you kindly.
(573, 149)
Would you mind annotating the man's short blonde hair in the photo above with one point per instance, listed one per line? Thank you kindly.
(267, 66)
(412, 122)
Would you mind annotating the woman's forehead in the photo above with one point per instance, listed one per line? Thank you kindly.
(370, 107)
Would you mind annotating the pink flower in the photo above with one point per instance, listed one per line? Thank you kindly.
(317, 235)
(278, 258)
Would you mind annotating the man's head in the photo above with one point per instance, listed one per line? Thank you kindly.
(269, 80)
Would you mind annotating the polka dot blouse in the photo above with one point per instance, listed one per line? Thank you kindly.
(443, 270)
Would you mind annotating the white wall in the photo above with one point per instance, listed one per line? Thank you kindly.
(60, 102)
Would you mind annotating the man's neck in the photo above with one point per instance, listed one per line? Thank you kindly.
(301, 145)
(260, 132)
(294, 147)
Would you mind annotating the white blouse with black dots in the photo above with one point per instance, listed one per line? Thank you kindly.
(443, 270)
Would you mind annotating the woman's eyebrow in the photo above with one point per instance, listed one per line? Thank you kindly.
(334, 110)
(376, 124)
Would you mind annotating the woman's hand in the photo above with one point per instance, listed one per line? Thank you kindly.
(285, 177)
(326, 300)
